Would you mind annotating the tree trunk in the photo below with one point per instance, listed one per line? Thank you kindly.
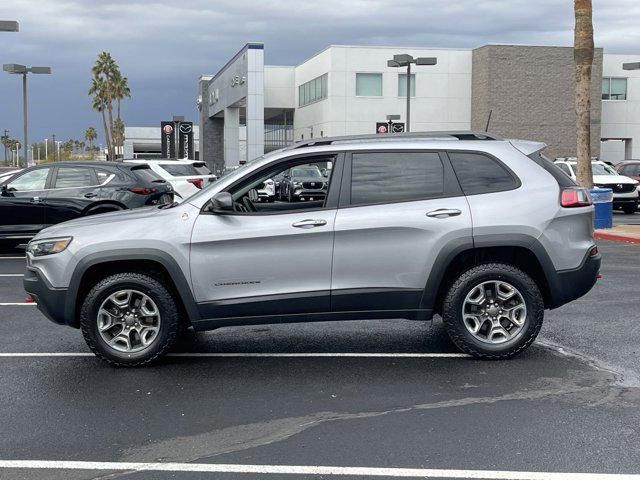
(112, 154)
(106, 133)
(583, 57)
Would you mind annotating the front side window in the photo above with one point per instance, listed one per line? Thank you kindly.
(614, 88)
(287, 188)
(478, 173)
(402, 85)
(30, 181)
(368, 84)
(70, 177)
(387, 177)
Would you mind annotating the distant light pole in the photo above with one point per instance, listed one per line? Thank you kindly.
(58, 149)
(9, 26)
(18, 69)
(405, 60)
(46, 149)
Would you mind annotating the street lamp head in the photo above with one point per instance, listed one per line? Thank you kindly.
(403, 59)
(631, 66)
(392, 63)
(426, 61)
(9, 26)
(40, 70)
(14, 68)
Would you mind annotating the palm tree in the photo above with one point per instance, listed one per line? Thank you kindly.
(104, 69)
(120, 90)
(90, 135)
(583, 58)
(98, 90)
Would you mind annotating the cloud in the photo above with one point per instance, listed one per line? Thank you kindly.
(163, 46)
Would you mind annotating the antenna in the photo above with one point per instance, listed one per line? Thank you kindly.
(486, 129)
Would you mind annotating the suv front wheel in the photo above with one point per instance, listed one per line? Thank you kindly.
(129, 319)
(493, 311)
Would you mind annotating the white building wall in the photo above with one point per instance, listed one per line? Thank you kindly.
(621, 118)
(279, 86)
(442, 99)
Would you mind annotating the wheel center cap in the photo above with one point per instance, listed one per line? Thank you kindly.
(129, 320)
(493, 310)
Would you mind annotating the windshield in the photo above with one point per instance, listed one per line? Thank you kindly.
(601, 169)
(306, 172)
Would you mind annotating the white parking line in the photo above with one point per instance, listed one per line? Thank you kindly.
(310, 470)
(9, 304)
(11, 274)
(254, 355)
(12, 258)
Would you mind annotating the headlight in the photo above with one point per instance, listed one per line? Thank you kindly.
(297, 184)
(48, 246)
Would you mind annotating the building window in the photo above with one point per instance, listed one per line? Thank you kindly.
(614, 88)
(313, 90)
(368, 84)
(402, 85)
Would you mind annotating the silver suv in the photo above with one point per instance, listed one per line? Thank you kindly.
(484, 232)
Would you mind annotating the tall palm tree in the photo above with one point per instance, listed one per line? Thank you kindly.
(583, 58)
(98, 90)
(105, 68)
(120, 90)
(90, 135)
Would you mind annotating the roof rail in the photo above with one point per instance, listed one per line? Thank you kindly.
(453, 135)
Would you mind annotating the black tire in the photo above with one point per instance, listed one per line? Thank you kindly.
(165, 301)
(454, 300)
(630, 209)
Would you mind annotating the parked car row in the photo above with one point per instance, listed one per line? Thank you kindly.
(625, 188)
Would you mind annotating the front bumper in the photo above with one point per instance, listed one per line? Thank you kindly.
(51, 301)
(568, 285)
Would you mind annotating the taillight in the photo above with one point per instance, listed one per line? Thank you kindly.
(143, 190)
(593, 252)
(575, 197)
(196, 181)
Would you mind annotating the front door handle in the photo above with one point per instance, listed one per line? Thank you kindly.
(309, 223)
(90, 195)
(36, 200)
(444, 213)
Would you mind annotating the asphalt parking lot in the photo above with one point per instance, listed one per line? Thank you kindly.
(354, 399)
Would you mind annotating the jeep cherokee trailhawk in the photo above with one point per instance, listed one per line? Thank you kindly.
(484, 232)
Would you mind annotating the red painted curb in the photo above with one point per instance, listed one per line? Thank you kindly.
(616, 237)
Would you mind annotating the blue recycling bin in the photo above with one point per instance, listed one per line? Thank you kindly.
(603, 202)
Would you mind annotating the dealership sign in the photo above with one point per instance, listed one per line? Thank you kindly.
(185, 140)
(177, 140)
(168, 140)
(389, 127)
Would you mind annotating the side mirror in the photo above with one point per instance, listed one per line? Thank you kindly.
(4, 190)
(221, 202)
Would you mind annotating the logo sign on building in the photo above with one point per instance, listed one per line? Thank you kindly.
(397, 127)
(168, 140)
(389, 127)
(382, 127)
(185, 140)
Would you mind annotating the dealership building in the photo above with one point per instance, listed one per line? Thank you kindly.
(248, 108)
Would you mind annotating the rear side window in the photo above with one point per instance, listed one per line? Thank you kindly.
(478, 173)
(564, 167)
(386, 177)
(564, 180)
(180, 169)
(202, 168)
(146, 175)
(70, 177)
(632, 170)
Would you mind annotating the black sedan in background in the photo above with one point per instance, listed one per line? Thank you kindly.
(56, 192)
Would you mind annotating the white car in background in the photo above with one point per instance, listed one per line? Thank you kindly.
(625, 189)
(185, 176)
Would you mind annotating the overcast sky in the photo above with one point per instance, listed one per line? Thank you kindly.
(164, 46)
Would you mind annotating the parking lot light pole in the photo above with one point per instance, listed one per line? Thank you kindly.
(405, 60)
(17, 69)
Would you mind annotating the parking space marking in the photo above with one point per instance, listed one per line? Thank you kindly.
(254, 355)
(12, 258)
(310, 470)
(11, 304)
(11, 274)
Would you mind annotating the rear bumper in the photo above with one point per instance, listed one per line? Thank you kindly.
(51, 301)
(568, 285)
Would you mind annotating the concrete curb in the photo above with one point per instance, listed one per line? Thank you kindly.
(616, 237)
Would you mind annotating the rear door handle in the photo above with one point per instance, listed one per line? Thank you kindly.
(309, 223)
(444, 213)
(90, 195)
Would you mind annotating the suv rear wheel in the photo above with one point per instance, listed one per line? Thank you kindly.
(129, 319)
(493, 311)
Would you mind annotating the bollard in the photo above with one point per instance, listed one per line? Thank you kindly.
(603, 202)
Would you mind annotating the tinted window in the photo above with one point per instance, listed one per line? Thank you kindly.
(632, 170)
(562, 178)
(564, 167)
(69, 177)
(34, 180)
(146, 175)
(395, 177)
(180, 169)
(103, 176)
(479, 173)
